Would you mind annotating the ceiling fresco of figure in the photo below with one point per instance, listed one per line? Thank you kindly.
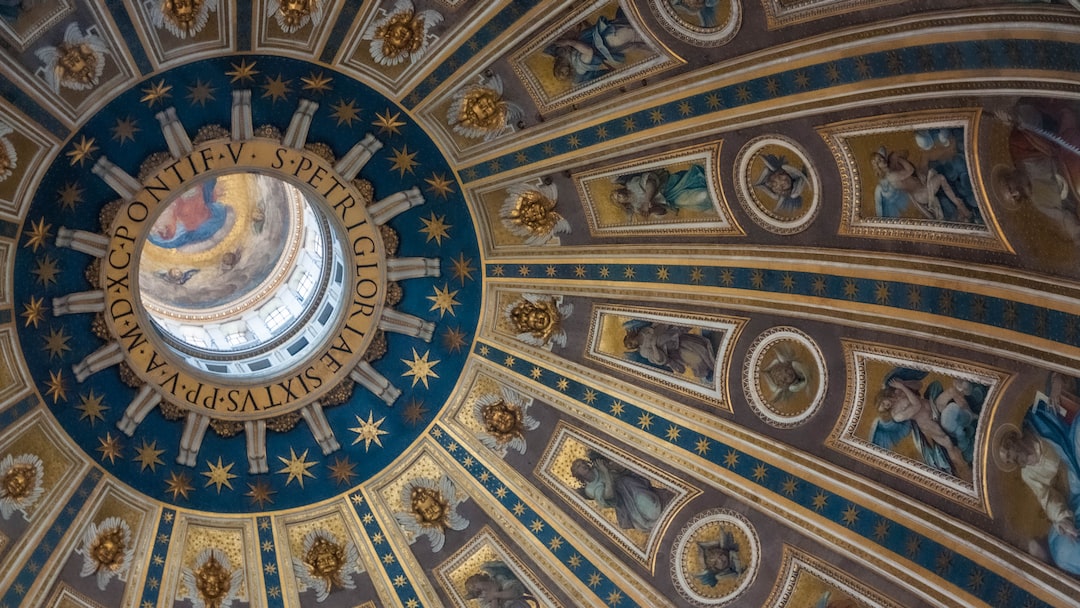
(539, 303)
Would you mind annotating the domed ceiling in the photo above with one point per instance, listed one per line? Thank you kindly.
(517, 303)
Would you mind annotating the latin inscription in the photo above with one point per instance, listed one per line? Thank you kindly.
(342, 352)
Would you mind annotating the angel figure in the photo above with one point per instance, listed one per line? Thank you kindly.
(720, 558)
(671, 346)
(785, 375)
(657, 192)
(901, 184)
(76, 63)
(401, 34)
(8, 157)
(432, 510)
(21, 483)
(637, 504)
(505, 419)
(496, 586)
(529, 212)
(903, 412)
(213, 582)
(107, 550)
(537, 319)
(587, 52)
(291, 15)
(182, 18)
(478, 110)
(782, 182)
(326, 563)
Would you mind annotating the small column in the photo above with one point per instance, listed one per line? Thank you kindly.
(320, 427)
(403, 323)
(106, 356)
(119, 180)
(384, 210)
(190, 442)
(242, 127)
(145, 400)
(398, 269)
(90, 243)
(349, 166)
(79, 302)
(296, 134)
(255, 431)
(175, 136)
(368, 377)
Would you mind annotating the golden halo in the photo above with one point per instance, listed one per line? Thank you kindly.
(1000, 434)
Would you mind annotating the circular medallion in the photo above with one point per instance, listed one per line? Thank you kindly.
(777, 185)
(715, 558)
(784, 377)
(259, 300)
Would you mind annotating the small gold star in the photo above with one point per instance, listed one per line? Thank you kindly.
(345, 113)
(454, 339)
(443, 300)
(46, 270)
(562, 384)
(318, 83)
(56, 389)
(662, 273)
(819, 500)
(342, 470)
(536, 526)
(579, 271)
(656, 116)
(702, 446)
(550, 270)
(536, 373)
(672, 433)
(178, 485)
(109, 448)
(594, 579)
(614, 597)
(148, 456)
(523, 270)
(369, 430)
(420, 368)
(509, 361)
(850, 515)
(82, 151)
(440, 185)
(34, 311)
(91, 407)
(296, 467)
(497, 270)
(403, 161)
(645, 420)
(219, 475)
(388, 558)
(616, 408)
(760, 471)
(201, 93)
(259, 493)
(156, 93)
(56, 344)
(574, 561)
(463, 268)
(415, 413)
(125, 130)
(501, 492)
(244, 71)
(436, 228)
(70, 195)
(590, 396)
(604, 272)
(731, 458)
(276, 88)
(790, 485)
(388, 123)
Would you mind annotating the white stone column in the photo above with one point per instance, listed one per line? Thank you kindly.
(296, 134)
(398, 269)
(242, 127)
(349, 166)
(176, 138)
(191, 440)
(119, 180)
(90, 243)
(79, 302)
(320, 427)
(385, 209)
(403, 323)
(145, 400)
(255, 432)
(104, 357)
(368, 377)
